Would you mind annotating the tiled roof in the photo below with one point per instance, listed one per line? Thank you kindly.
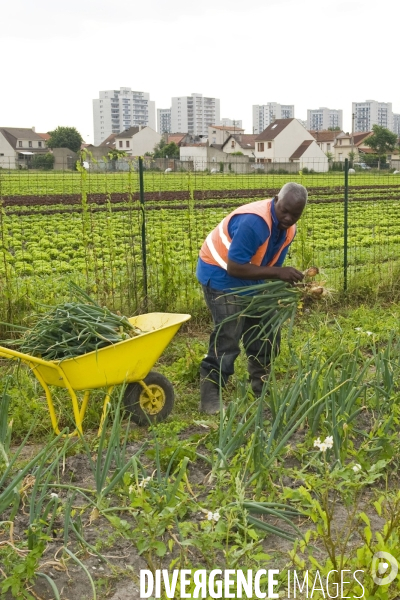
(301, 149)
(273, 130)
(13, 134)
(244, 140)
(128, 133)
(367, 150)
(44, 136)
(325, 135)
(360, 137)
(110, 141)
(247, 138)
(176, 137)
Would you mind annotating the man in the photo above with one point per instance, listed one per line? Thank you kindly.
(246, 248)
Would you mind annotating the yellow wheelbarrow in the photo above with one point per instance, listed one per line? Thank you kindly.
(148, 395)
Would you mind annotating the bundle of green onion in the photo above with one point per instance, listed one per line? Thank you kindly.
(75, 328)
(271, 304)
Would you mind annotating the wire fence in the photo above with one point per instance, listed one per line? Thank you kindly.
(88, 227)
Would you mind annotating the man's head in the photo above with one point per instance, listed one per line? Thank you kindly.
(290, 204)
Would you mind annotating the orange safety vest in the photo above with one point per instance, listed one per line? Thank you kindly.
(214, 250)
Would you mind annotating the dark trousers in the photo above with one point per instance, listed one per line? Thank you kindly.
(224, 341)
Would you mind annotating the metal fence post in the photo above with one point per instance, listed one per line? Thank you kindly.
(346, 214)
(143, 218)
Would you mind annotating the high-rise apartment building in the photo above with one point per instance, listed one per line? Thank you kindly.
(164, 120)
(117, 110)
(321, 119)
(265, 114)
(230, 123)
(369, 113)
(396, 123)
(193, 114)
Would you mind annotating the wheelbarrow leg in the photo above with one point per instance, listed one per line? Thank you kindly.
(84, 404)
(105, 408)
(78, 413)
(49, 398)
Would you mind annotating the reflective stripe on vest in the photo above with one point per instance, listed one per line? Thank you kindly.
(215, 248)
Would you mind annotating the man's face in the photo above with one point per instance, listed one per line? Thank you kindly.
(288, 211)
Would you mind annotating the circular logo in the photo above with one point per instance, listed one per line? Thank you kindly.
(384, 568)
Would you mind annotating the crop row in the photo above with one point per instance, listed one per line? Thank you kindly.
(106, 246)
(201, 199)
(36, 183)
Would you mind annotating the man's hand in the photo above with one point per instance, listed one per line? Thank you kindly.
(254, 272)
(290, 274)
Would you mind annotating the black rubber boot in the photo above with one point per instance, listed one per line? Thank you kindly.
(258, 376)
(209, 396)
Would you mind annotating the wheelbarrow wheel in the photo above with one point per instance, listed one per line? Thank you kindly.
(153, 404)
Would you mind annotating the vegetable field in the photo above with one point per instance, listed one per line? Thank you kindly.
(94, 236)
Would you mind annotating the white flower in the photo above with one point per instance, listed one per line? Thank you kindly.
(213, 516)
(54, 495)
(144, 482)
(361, 331)
(357, 468)
(325, 445)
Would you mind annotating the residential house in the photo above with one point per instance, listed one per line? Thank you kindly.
(394, 161)
(199, 157)
(343, 146)
(288, 145)
(179, 138)
(18, 146)
(109, 142)
(325, 139)
(136, 141)
(101, 151)
(218, 134)
(360, 145)
(44, 136)
(347, 143)
(243, 142)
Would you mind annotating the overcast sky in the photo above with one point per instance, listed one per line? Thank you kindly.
(57, 55)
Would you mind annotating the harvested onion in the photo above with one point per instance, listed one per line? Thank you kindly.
(311, 272)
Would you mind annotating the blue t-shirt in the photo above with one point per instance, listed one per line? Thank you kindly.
(248, 232)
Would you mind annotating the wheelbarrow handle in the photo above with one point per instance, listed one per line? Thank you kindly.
(9, 353)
